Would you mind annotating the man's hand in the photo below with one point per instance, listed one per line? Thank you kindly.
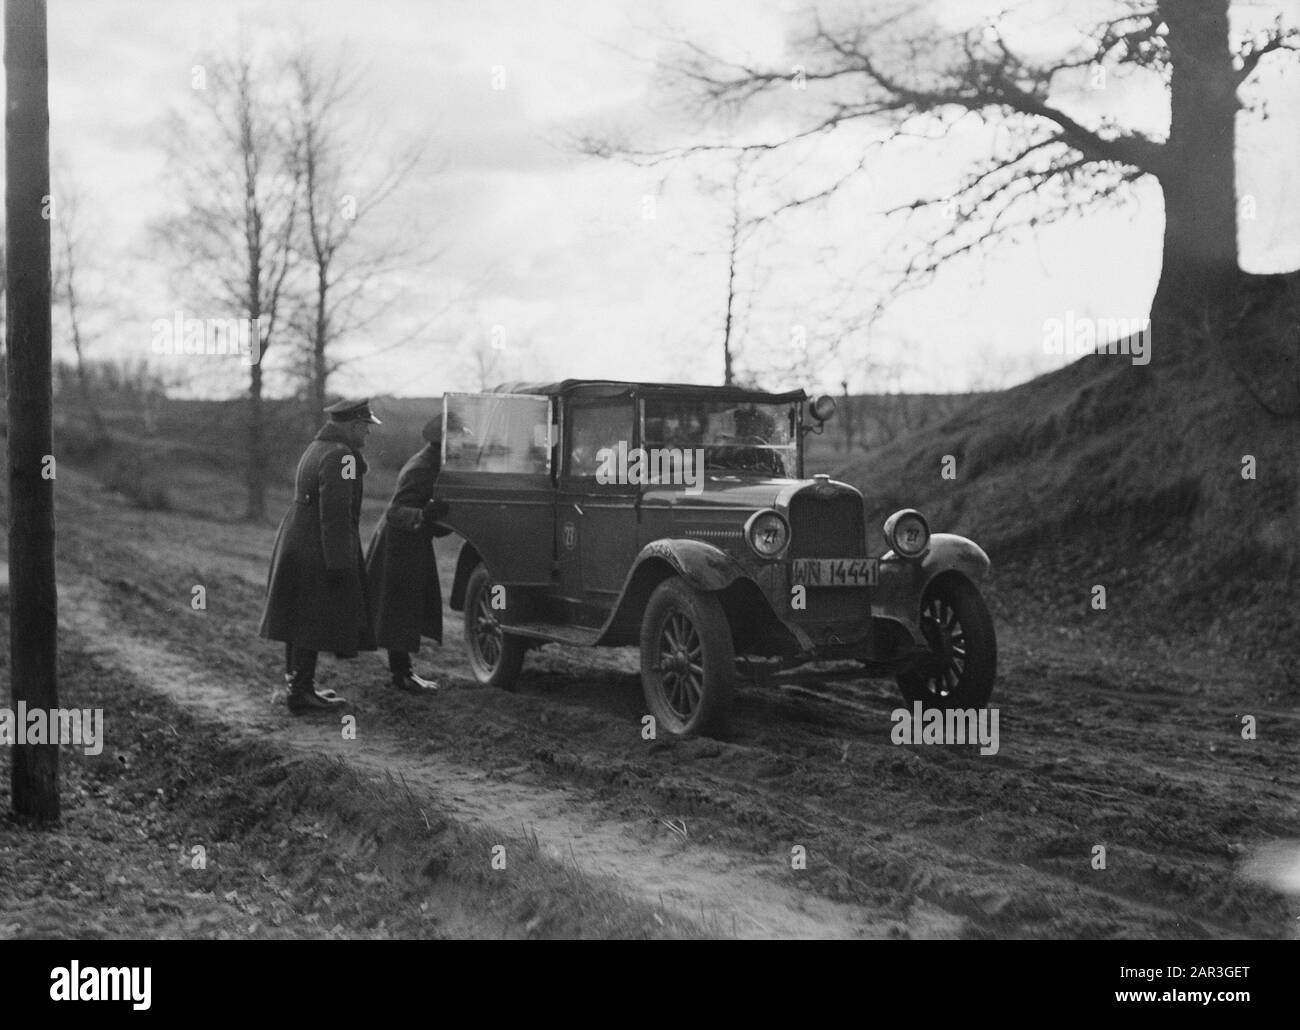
(434, 511)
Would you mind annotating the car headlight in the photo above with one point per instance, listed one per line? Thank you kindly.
(907, 533)
(768, 533)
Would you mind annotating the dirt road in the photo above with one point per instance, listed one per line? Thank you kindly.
(1141, 754)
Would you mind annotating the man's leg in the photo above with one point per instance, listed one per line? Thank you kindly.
(291, 663)
(399, 665)
(399, 662)
(303, 677)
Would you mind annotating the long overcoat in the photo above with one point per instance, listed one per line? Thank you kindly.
(320, 534)
(401, 567)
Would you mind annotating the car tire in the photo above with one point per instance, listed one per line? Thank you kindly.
(688, 628)
(956, 623)
(495, 657)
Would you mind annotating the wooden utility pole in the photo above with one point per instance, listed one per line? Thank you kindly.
(33, 609)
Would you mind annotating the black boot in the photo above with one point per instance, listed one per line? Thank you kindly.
(305, 703)
(303, 695)
(410, 683)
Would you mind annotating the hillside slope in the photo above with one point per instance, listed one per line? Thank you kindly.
(1126, 476)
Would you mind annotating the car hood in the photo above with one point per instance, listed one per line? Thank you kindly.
(723, 491)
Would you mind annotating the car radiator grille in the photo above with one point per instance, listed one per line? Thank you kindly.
(827, 527)
(831, 526)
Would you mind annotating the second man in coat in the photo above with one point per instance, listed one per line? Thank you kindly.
(401, 567)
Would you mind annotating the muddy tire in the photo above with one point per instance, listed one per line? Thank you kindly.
(687, 660)
(494, 655)
(957, 625)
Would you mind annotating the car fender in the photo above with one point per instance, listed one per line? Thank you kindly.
(466, 562)
(702, 565)
(903, 581)
(949, 552)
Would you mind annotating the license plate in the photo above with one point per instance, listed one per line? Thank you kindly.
(835, 572)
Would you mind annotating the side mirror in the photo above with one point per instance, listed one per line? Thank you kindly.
(823, 408)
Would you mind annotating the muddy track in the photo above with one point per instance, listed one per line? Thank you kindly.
(720, 890)
(1140, 753)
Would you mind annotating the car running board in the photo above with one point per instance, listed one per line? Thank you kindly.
(574, 636)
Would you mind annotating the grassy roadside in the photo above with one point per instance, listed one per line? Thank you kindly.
(183, 829)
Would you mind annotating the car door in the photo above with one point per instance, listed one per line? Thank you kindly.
(496, 479)
(596, 507)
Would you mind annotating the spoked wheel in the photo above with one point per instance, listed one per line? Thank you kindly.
(681, 665)
(956, 624)
(495, 655)
(687, 660)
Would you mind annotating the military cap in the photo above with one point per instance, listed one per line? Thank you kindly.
(352, 411)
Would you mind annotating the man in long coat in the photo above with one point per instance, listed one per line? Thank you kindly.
(401, 568)
(316, 591)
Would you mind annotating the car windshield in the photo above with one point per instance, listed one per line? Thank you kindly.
(747, 436)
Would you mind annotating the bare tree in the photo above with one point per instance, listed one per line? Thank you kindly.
(737, 229)
(487, 368)
(340, 199)
(732, 192)
(69, 247)
(899, 75)
(238, 177)
(807, 340)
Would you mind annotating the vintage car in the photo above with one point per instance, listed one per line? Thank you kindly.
(678, 518)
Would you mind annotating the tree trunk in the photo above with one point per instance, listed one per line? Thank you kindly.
(847, 416)
(1200, 269)
(83, 374)
(728, 373)
(256, 448)
(320, 340)
(33, 612)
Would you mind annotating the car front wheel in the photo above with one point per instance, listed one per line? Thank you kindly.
(956, 624)
(494, 655)
(687, 660)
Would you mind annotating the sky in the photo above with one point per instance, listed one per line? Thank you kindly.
(546, 263)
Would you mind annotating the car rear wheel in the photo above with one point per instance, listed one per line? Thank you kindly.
(495, 656)
(687, 660)
(956, 624)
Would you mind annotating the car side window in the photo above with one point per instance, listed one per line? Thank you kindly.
(497, 433)
(595, 428)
